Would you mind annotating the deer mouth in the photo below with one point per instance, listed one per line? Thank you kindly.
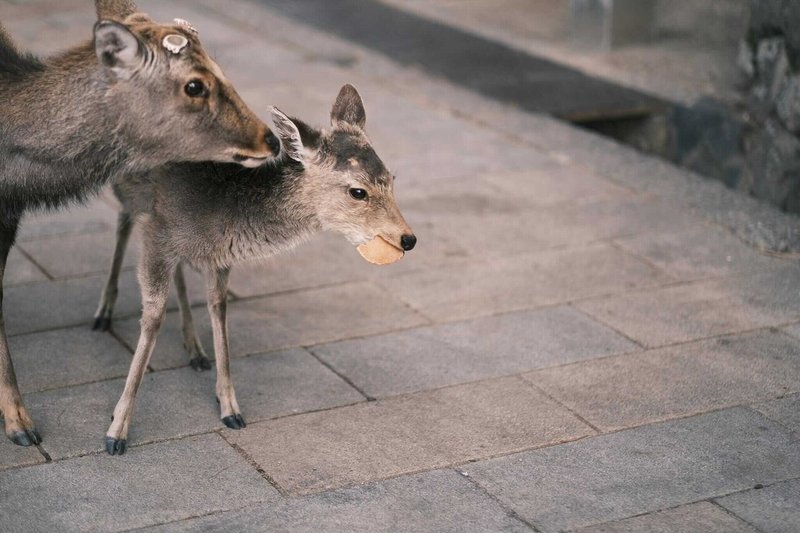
(249, 161)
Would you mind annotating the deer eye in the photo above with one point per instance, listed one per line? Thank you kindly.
(195, 88)
(358, 194)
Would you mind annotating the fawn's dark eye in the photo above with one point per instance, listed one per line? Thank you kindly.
(195, 88)
(358, 194)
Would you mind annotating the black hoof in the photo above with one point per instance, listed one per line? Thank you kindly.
(116, 446)
(200, 363)
(102, 323)
(234, 422)
(27, 437)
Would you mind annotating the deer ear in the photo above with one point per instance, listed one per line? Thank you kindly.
(116, 47)
(349, 108)
(287, 133)
(114, 9)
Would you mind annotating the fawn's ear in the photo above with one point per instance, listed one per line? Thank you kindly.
(116, 46)
(117, 10)
(287, 133)
(349, 108)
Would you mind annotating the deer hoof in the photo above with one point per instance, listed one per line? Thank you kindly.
(25, 437)
(116, 446)
(200, 363)
(102, 323)
(234, 421)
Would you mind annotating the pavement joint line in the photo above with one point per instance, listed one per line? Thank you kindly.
(405, 304)
(246, 456)
(537, 388)
(121, 341)
(509, 510)
(47, 458)
(641, 258)
(21, 249)
(715, 503)
(340, 375)
(608, 326)
(778, 422)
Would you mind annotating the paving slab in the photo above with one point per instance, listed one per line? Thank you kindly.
(73, 421)
(441, 501)
(20, 270)
(699, 252)
(634, 389)
(522, 282)
(694, 518)
(66, 357)
(427, 358)
(641, 470)
(775, 508)
(784, 410)
(158, 483)
(702, 309)
(79, 255)
(285, 320)
(406, 434)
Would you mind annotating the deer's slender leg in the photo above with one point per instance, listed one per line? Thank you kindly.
(154, 277)
(199, 360)
(217, 281)
(102, 317)
(18, 424)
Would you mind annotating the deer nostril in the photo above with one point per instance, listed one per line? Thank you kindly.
(408, 242)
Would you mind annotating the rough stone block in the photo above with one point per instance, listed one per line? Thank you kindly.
(641, 470)
(159, 483)
(634, 389)
(320, 451)
(427, 358)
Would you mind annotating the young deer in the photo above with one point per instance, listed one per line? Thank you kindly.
(214, 216)
(140, 95)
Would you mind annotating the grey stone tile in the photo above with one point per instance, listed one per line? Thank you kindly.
(285, 320)
(702, 309)
(12, 456)
(692, 518)
(366, 442)
(784, 410)
(426, 358)
(699, 252)
(152, 485)
(78, 255)
(440, 501)
(641, 470)
(73, 421)
(20, 269)
(775, 508)
(93, 217)
(677, 381)
(66, 357)
(467, 289)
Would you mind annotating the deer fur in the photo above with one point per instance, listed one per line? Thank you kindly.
(114, 105)
(214, 216)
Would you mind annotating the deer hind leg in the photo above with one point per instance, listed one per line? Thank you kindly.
(102, 317)
(154, 276)
(217, 282)
(191, 342)
(18, 424)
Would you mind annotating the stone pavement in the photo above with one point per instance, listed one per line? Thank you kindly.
(584, 339)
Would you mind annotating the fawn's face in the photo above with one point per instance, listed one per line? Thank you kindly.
(182, 108)
(349, 186)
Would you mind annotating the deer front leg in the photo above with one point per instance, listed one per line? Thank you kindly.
(154, 276)
(217, 282)
(102, 317)
(191, 342)
(19, 426)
